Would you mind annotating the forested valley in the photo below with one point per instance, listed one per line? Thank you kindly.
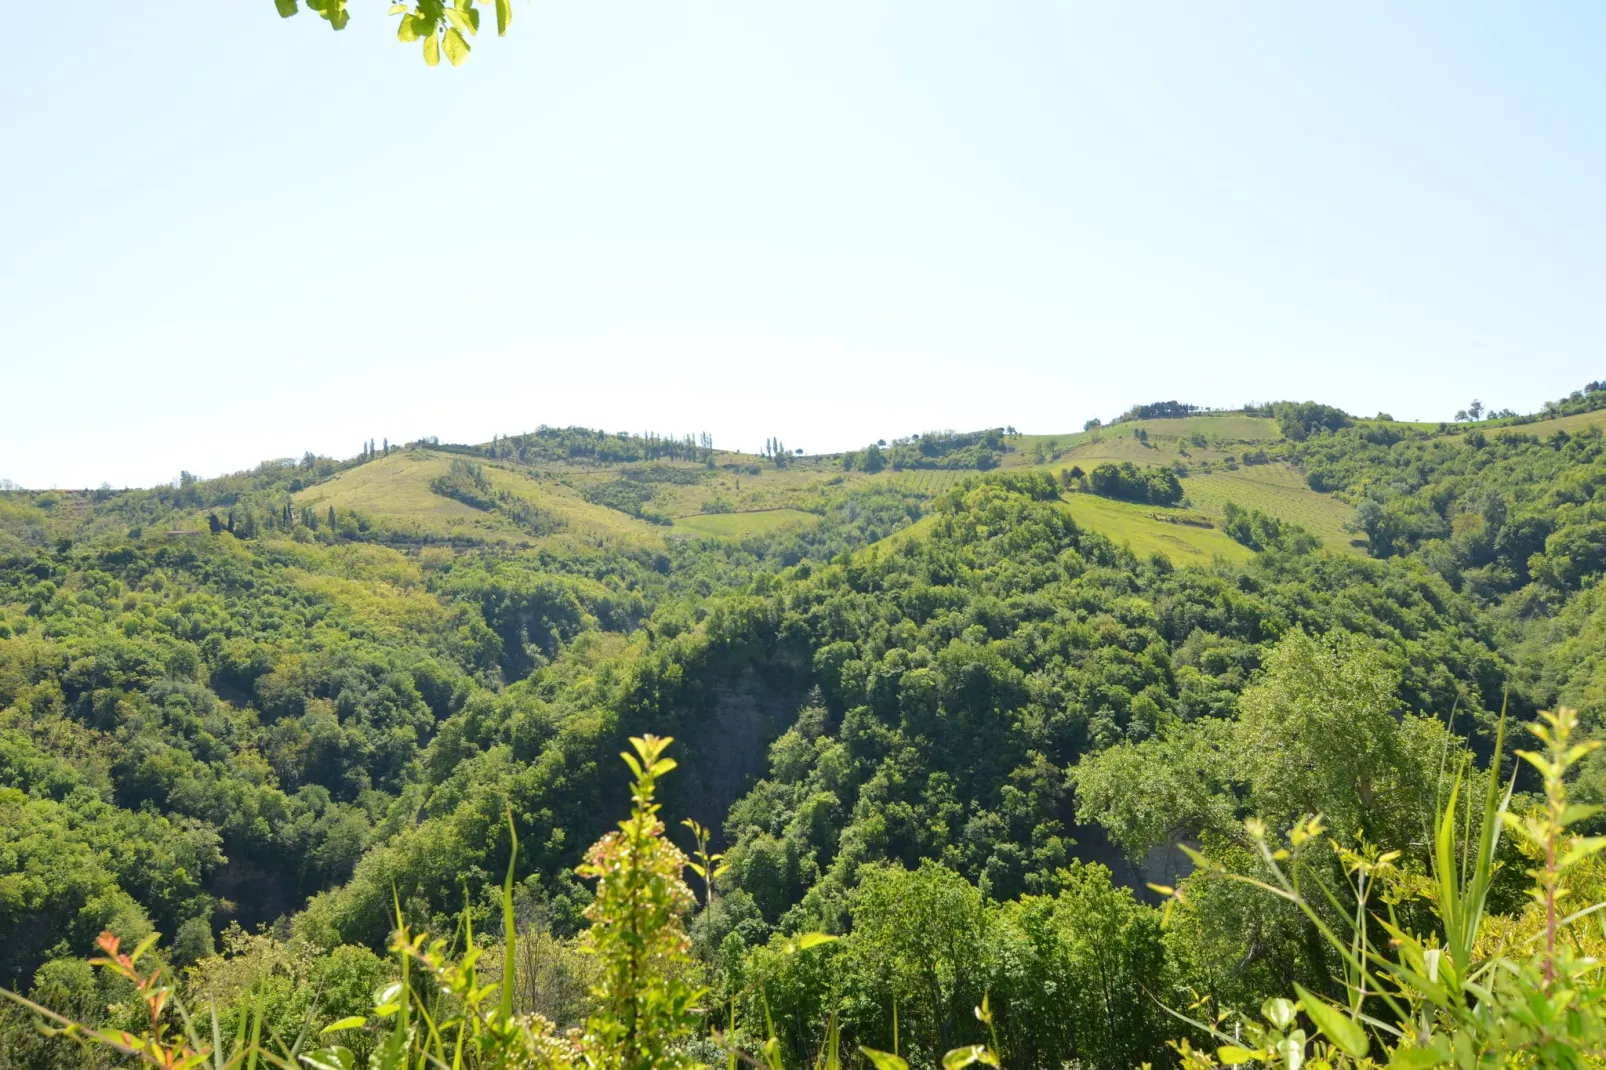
(959, 712)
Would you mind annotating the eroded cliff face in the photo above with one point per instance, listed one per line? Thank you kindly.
(726, 751)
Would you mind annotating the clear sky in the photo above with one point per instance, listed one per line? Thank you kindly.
(226, 237)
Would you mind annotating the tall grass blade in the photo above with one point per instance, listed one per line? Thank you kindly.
(506, 1004)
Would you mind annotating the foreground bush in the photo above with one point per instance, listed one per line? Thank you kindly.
(1479, 991)
(1476, 990)
(440, 1012)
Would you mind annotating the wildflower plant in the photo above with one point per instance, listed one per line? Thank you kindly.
(1436, 999)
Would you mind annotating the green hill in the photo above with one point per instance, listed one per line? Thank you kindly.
(1209, 452)
(400, 495)
(532, 496)
(940, 699)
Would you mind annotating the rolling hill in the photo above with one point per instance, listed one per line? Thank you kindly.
(318, 690)
(516, 500)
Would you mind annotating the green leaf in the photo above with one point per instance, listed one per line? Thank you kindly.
(504, 16)
(968, 1055)
(1233, 1055)
(331, 11)
(356, 1021)
(1421, 1058)
(397, 9)
(456, 47)
(1582, 848)
(388, 999)
(881, 1060)
(808, 940)
(1292, 1049)
(1278, 1011)
(432, 50)
(1347, 1035)
(286, 7)
(1576, 812)
(408, 28)
(144, 946)
(335, 1058)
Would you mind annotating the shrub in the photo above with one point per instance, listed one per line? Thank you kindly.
(438, 1013)
(1463, 993)
(1128, 482)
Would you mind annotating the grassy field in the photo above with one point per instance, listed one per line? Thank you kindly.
(756, 498)
(1228, 428)
(1224, 435)
(929, 481)
(1142, 528)
(917, 530)
(564, 501)
(1138, 527)
(1109, 447)
(1571, 424)
(1408, 425)
(394, 493)
(1278, 490)
(1025, 446)
(800, 484)
(739, 525)
(1232, 428)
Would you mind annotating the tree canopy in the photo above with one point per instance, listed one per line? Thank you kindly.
(954, 728)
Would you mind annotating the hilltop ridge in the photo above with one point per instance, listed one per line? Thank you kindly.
(562, 485)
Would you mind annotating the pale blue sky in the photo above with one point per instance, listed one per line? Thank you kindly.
(226, 237)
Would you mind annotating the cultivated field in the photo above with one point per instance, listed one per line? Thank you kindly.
(927, 481)
(1582, 421)
(1278, 490)
(1226, 429)
(394, 493)
(1149, 529)
(1232, 428)
(749, 496)
(740, 525)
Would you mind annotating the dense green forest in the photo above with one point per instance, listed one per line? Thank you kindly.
(945, 721)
